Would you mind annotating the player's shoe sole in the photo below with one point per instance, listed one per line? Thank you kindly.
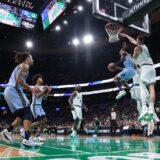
(143, 116)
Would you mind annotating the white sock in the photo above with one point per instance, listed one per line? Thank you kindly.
(143, 96)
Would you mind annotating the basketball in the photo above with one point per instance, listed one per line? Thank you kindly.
(111, 67)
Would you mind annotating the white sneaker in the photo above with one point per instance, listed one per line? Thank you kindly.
(121, 94)
(30, 143)
(37, 141)
(41, 139)
(7, 136)
(155, 117)
(143, 115)
(22, 133)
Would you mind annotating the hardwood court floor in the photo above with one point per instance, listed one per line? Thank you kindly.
(86, 148)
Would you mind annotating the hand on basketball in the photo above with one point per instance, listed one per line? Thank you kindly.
(35, 89)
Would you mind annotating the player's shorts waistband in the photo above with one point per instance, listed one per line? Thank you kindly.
(134, 85)
(77, 106)
(146, 64)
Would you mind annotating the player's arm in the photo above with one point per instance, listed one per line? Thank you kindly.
(41, 93)
(85, 107)
(46, 94)
(21, 73)
(71, 99)
(137, 51)
(132, 40)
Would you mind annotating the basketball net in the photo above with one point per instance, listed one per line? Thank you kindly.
(113, 31)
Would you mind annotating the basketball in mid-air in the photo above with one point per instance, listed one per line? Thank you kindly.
(111, 67)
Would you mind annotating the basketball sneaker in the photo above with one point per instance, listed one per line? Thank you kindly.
(7, 136)
(31, 143)
(121, 94)
(144, 114)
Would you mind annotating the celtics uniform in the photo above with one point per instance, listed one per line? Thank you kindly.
(147, 71)
(77, 105)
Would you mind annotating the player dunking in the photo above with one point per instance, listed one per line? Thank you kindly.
(127, 72)
(36, 106)
(17, 100)
(143, 59)
(76, 103)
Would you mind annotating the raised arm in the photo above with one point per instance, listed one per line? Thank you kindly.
(132, 40)
(137, 51)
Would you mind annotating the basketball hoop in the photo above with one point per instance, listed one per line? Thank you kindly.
(113, 31)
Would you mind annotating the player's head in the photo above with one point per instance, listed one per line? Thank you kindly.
(37, 79)
(140, 39)
(78, 88)
(112, 110)
(21, 57)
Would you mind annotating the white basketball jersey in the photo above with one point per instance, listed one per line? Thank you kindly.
(77, 100)
(136, 79)
(144, 57)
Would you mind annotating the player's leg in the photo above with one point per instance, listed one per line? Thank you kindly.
(151, 127)
(122, 92)
(74, 128)
(143, 94)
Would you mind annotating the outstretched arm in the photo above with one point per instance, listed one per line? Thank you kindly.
(132, 40)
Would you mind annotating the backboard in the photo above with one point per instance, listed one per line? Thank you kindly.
(113, 10)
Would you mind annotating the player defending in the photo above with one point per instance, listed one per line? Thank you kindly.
(17, 100)
(143, 59)
(127, 72)
(76, 103)
(36, 106)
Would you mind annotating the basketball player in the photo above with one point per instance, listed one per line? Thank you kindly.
(142, 58)
(17, 100)
(127, 72)
(135, 94)
(36, 106)
(76, 103)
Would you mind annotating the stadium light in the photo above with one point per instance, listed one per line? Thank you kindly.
(65, 22)
(89, 0)
(57, 28)
(88, 39)
(29, 44)
(80, 8)
(75, 42)
(130, 1)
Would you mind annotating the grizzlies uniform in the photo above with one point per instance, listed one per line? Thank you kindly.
(36, 106)
(128, 72)
(147, 72)
(77, 105)
(14, 94)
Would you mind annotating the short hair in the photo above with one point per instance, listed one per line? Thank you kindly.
(35, 78)
(21, 56)
(141, 38)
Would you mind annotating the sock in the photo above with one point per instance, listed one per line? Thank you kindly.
(27, 135)
(118, 84)
(151, 106)
(143, 95)
(10, 129)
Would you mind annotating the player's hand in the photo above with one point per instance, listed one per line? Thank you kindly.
(86, 109)
(49, 88)
(35, 89)
(123, 35)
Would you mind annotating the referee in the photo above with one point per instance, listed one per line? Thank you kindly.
(113, 122)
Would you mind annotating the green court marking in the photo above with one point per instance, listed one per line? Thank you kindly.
(94, 149)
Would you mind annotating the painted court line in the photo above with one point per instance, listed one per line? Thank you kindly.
(66, 149)
(23, 150)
